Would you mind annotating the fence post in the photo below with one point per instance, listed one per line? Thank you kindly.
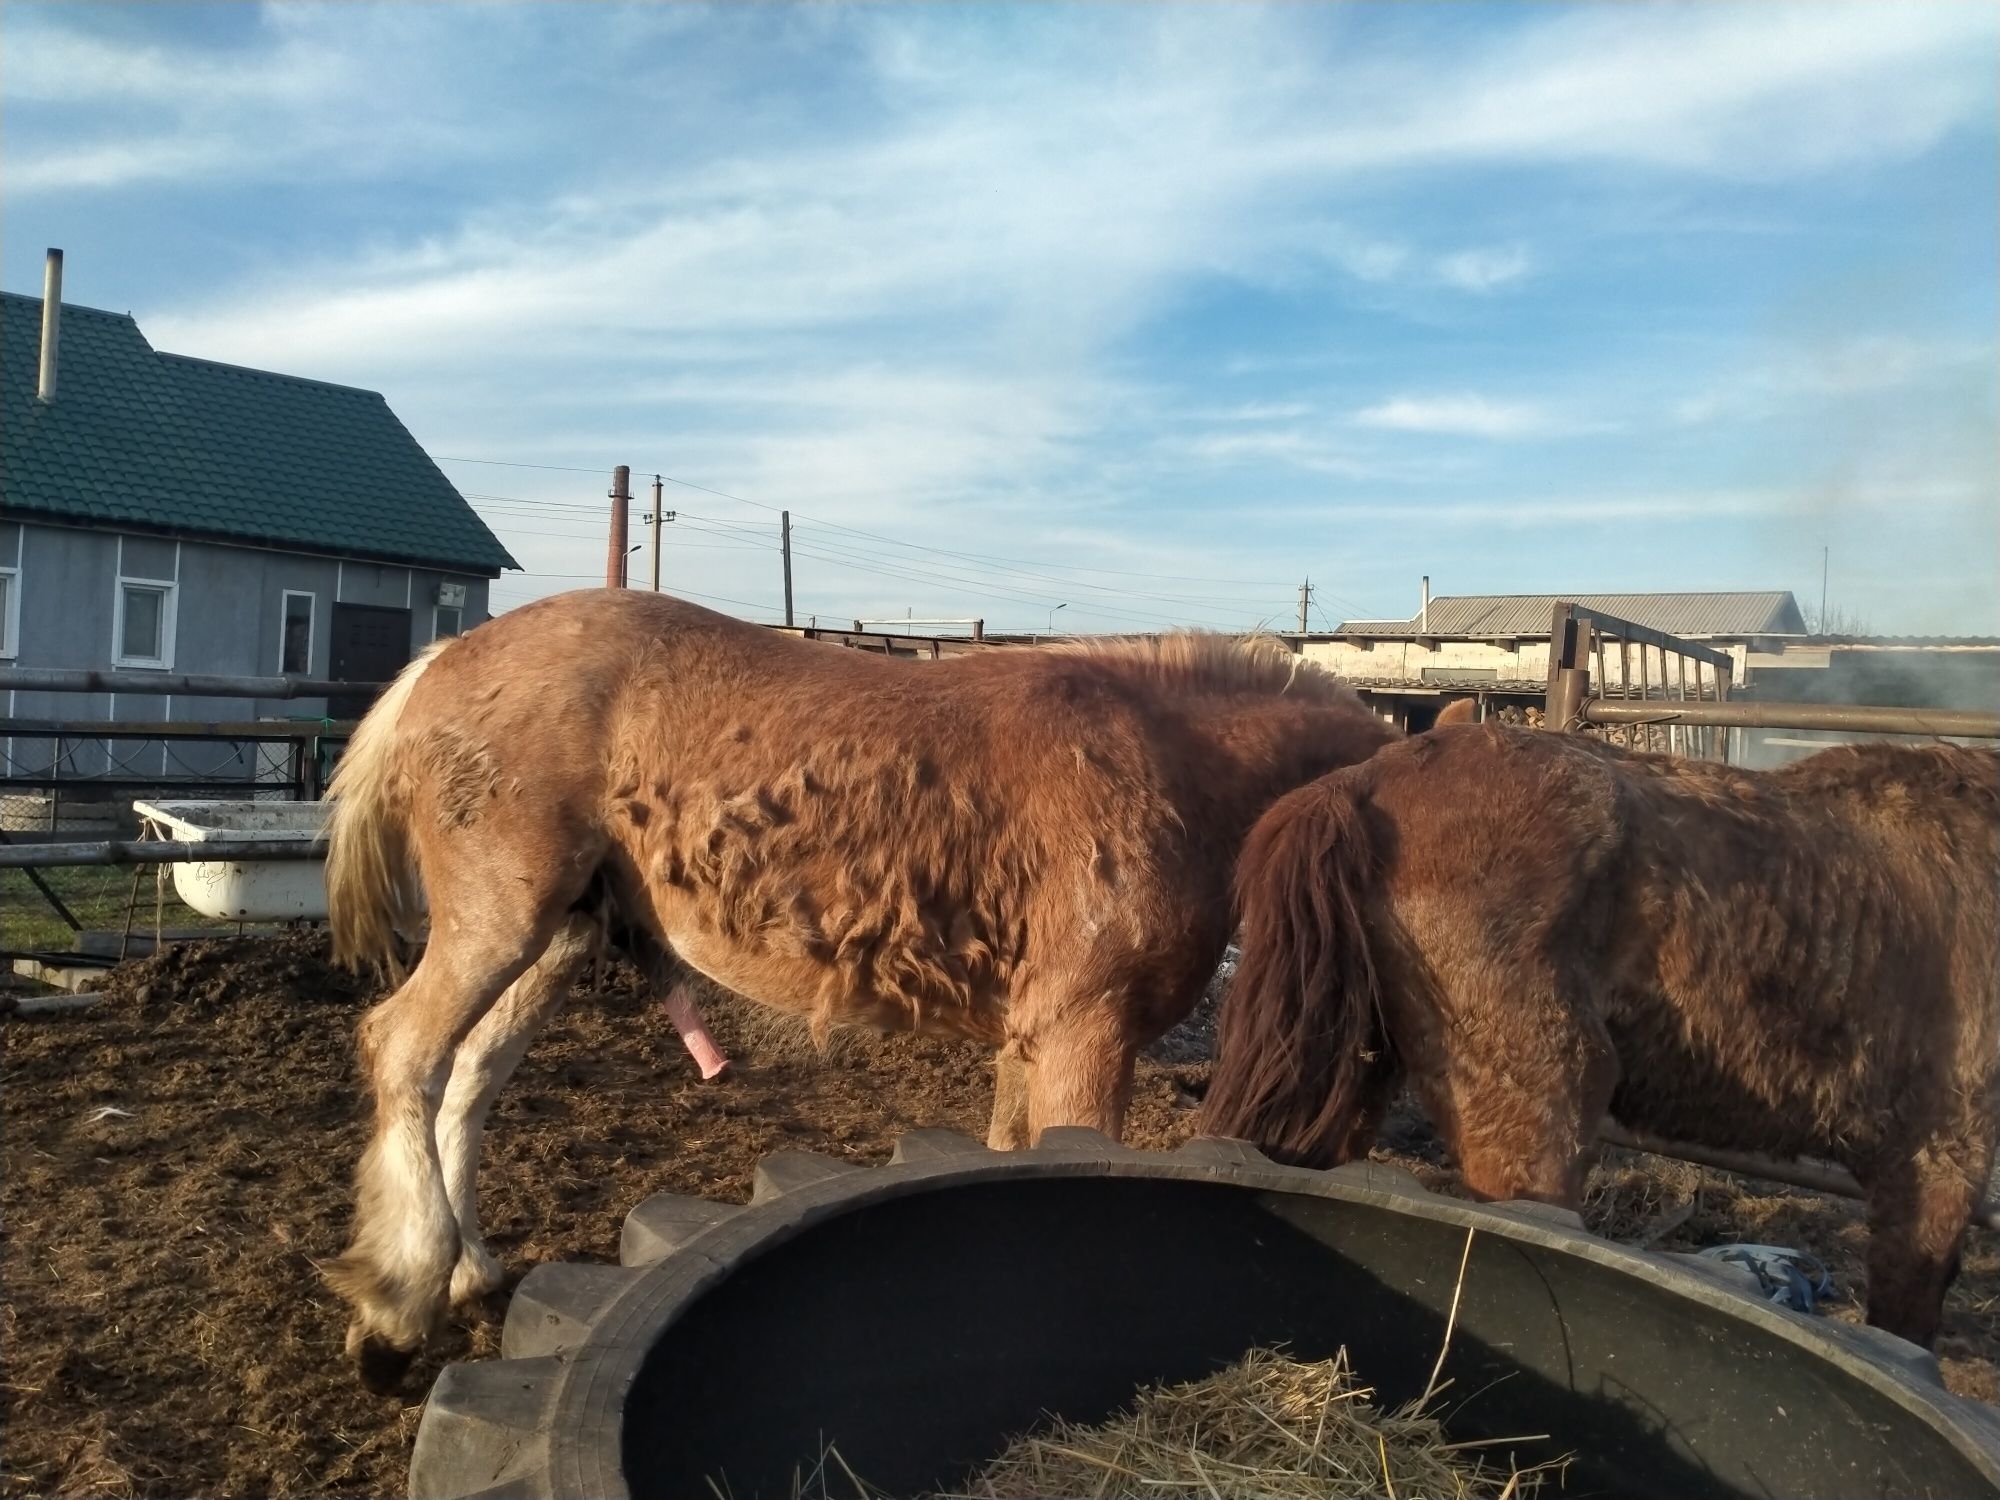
(1569, 683)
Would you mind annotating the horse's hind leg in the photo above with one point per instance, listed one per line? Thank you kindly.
(484, 1062)
(398, 1265)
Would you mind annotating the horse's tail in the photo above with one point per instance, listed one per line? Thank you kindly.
(1301, 1035)
(372, 892)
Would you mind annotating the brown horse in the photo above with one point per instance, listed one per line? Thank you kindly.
(1539, 928)
(1030, 848)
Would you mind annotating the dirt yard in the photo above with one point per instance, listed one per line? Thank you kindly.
(175, 1160)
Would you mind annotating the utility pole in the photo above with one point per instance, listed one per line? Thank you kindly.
(658, 517)
(1305, 600)
(621, 515)
(785, 545)
(1824, 554)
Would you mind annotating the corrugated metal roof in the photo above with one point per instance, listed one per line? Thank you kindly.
(187, 446)
(1768, 613)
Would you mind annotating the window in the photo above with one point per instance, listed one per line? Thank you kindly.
(144, 629)
(446, 620)
(10, 611)
(295, 648)
(143, 608)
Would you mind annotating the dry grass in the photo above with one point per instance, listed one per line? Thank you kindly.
(1268, 1427)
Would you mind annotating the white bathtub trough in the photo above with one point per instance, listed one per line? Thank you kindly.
(245, 890)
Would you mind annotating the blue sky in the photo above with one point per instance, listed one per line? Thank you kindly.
(1146, 311)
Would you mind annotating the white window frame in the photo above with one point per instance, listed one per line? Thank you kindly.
(169, 590)
(285, 598)
(10, 614)
(438, 609)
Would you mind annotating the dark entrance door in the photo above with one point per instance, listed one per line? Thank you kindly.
(370, 644)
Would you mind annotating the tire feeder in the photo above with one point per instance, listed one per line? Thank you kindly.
(920, 1314)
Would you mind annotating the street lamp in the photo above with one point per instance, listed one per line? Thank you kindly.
(1052, 618)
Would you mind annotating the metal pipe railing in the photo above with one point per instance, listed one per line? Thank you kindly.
(178, 684)
(266, 731)
(1833, 717)
(157, 852)
(1820, 1178)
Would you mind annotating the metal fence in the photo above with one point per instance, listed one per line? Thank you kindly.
(68, 784)
(95, 766)
(1597, 658)
(1653, 691)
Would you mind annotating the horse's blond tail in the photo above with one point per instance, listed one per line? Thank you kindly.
(372, 892)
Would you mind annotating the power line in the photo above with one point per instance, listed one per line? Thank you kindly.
(981, 588)
(967, 556)
(845, 553)
(858, 531)
(860, 560)
(1065, 583)
(584, 536)
(688, 593)
(508, 463)
(842, 553)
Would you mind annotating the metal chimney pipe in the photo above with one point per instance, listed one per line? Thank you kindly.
(45, 390)
(1424, 618)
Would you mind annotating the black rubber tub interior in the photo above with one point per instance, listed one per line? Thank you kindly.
(919, 1333)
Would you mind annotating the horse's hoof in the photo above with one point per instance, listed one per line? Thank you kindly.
(486, 1306)
(382, 1365)
(475, 1281)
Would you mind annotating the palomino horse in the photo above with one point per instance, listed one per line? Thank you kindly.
(1027, 847)
(1539, 928)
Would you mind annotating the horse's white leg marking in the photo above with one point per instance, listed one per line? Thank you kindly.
(485, 1060)
(686, 1016)
(397, 1268)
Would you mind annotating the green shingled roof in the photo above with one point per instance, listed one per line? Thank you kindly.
(162, 442)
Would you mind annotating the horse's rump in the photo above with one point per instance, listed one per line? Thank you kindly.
(1792, 961)
(1797, 961)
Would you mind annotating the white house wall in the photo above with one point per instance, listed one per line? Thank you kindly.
(1407, 661)
(1525, 660)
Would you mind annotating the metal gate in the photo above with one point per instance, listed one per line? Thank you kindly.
(1599, 656)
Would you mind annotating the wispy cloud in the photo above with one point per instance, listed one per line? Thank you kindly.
(1463, 415)
(1827, 368)
(1263, 411)
(1741, 91)
(329, 89)
(118, 164)
(974, 273)
(1522, 512)
(1483, 270)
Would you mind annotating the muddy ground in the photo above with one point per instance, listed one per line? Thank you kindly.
(176, 1160)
